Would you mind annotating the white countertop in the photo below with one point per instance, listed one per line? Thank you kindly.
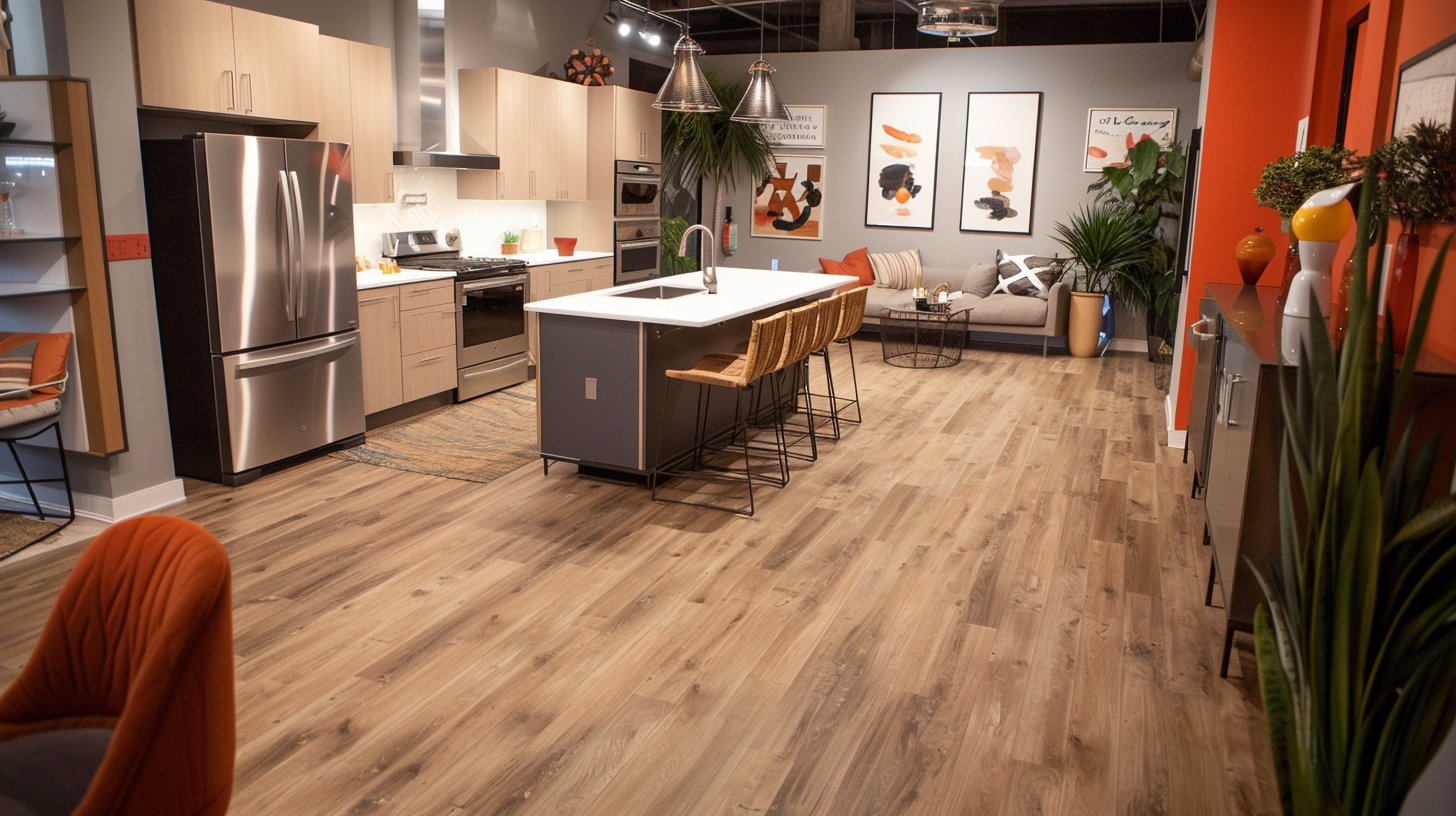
(373, 278)
(551, 256)
(740, 292)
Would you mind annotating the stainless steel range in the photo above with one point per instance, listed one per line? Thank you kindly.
(491, 293)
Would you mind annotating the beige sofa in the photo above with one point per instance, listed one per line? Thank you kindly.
(999, 313)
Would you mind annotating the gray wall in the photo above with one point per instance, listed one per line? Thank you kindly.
(1073, 78)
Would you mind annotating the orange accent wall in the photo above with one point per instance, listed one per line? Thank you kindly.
(1271, 65)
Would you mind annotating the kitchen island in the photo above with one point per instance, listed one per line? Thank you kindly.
(600, 380)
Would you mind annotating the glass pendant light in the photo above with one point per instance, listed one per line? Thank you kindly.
(760, 103)
(686, 89)
(949, 18)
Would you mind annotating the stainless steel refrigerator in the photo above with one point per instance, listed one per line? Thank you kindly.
(253, 267)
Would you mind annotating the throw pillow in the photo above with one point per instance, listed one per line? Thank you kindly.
(980, 279)
(15, 366)
(856, 263)
(1027, 274)
(898, 270)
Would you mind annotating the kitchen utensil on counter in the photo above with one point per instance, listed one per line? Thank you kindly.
(566, 247)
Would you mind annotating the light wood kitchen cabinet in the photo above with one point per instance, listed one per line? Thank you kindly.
(536, 125)
(379, 332)
(408, 337)
(371, 71)
(203, 56)
(336, 93)
(638, 125)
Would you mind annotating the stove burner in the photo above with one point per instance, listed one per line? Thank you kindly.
(464, 266)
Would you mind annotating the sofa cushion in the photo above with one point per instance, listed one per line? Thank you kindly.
(1027, 274)
(15, 366)
(878, 298)
(856, 263)
(898, 270)
(1009, 310)
(980, 279)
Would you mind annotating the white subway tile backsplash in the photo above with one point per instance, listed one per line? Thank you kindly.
(480, 222)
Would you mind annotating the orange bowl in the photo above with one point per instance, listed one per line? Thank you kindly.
(565, 247)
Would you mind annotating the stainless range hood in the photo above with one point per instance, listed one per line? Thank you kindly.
(421, 26)
(454, 161)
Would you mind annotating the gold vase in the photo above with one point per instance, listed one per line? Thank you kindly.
(1084, 324)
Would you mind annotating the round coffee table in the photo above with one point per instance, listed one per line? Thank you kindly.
(914, 339)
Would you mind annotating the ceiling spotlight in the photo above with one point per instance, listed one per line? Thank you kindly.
(611, 17)
(652, 34)
(958, 18)
(625, 27)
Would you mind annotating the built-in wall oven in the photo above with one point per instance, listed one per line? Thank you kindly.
(638, 251)
(638, 190)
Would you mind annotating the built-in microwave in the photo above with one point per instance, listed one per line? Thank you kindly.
(638, 190)
(639, 251)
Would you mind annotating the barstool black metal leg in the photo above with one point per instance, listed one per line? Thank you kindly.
(1228, 648)
(833, 397)
(654, 469)
(1212, 575)
(854, 378)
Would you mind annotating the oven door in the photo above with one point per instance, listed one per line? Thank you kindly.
(638, 260)
(638, 196)
(492, 319)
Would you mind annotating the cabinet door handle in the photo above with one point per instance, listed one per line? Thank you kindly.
(430, 359)
(249, 77)
(374, 300)
(500, 184)
(389, 185)
(1193, 329)
(232, 90)
(642, 145)
(1228, 412)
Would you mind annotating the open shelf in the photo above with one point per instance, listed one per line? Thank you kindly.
(36, 239)
(34, 143)
(19, 290)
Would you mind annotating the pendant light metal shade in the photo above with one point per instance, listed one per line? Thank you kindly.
(953, 18)
(761, 101)
(686, 89)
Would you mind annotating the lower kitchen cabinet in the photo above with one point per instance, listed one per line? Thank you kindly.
(561, 279)
(408, 339)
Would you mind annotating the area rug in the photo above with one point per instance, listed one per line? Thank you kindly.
(18, 532)
(475, 441)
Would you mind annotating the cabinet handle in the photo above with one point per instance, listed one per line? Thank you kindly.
(395, 308)
(642, 144)
(420, 292)
(1228, 412)
(389, 185)
(232, 91)
(1193, 329)
(249, 77)
(500, 184)
(374, 300)
(533, 184)
(430, 359)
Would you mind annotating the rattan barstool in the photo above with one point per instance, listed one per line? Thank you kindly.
(851, 318)
(766, 348)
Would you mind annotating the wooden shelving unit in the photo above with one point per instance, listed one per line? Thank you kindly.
(67, 287)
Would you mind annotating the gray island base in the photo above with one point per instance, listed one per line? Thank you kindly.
(602, 354)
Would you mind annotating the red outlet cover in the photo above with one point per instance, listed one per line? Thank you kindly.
(128, 247)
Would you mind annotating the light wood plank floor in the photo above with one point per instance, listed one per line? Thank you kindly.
(985, 600)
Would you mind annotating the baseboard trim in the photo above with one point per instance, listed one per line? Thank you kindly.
(1176, 439)
(1127, 344)
(149, 500)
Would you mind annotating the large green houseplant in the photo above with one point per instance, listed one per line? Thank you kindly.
(1418, 181)
(1357, 643)
(713, 147)
(1109, 246)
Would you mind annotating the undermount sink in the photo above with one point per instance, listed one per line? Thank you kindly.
(657, 292)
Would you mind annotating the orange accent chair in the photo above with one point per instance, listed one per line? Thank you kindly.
(27, 411)
(139, 642)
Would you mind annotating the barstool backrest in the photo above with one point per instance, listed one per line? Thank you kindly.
(831, 311)
(853, 316)
(803, 326)
(766, 344)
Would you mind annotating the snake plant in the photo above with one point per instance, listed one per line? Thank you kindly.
(1357, 643)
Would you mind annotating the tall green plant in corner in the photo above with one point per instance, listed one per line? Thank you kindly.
(1357, 643)
(713, 147)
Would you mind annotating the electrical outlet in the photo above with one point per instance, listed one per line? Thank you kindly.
(591, 388)
(128, 247)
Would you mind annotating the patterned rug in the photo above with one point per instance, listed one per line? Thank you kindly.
(475, 441)
(18, 532)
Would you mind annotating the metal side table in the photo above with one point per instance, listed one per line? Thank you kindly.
(915, 339)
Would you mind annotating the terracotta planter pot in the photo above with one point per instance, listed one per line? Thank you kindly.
(510, 249)
(1084, 325)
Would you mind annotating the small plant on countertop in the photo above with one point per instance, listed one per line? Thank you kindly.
(510, 238)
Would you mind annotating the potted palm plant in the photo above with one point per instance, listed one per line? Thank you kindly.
(712, 147)
(1357, 641)
(1108, 243)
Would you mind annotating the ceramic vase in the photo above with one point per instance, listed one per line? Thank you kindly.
(1084, 324)
(1310, 289)
(1291, 269)
(1340, 305)
(1253, 254)
(1401, 287)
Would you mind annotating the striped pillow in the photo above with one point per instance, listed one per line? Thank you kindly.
(899, 270)
(15, 366)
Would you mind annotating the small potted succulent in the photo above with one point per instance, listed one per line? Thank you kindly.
(510, 243)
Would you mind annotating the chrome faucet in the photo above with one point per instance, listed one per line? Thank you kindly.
(710, 272)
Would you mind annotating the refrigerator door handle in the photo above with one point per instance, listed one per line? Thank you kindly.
(294, 356)
(285, 211)
(299, 241)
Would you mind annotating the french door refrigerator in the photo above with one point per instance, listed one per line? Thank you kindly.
(253, 268)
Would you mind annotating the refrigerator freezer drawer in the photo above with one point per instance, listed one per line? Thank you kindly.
(291, 399)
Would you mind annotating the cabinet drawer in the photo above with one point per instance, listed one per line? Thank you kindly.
(429, 372)
(565, 273)
(429, 293)
(426, 329)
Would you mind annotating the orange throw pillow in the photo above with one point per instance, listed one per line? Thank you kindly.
(856, 263)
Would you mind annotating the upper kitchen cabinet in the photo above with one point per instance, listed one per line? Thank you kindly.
(638, 125)
(536, 125)
(358, 107)
(202, 56)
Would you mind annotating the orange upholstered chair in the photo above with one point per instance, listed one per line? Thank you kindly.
(139, 642)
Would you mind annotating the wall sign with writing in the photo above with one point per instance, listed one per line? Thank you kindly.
(806, 129)
(1111, 132)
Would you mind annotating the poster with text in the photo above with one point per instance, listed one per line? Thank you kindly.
(1002, 131)
(1111, 132)
(805, 128)
(790, 202)
(904, 146)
